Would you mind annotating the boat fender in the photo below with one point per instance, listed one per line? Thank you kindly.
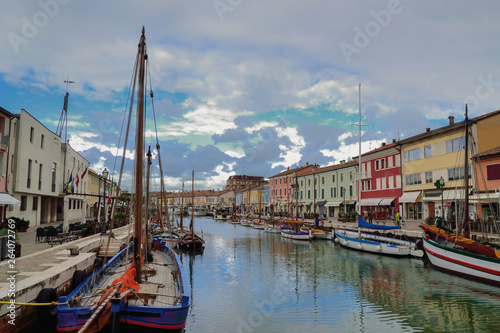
(378, 248)
(419, 244)
(47, 313)
(78, 278)
(344, 242)
(337, 240)
(360, 247)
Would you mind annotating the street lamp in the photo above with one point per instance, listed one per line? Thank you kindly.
(441, 185)
(103, 219)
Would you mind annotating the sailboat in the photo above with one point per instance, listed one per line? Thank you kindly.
(375, 242)
(143, 285)
(458, 254)
(191, 239)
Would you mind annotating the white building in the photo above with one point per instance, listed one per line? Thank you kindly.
(39, 169)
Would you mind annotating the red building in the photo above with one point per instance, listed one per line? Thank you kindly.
(381, 181)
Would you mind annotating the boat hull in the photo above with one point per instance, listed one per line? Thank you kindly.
(461, 262)
(71, 319)
(376, 244)
(301, 235)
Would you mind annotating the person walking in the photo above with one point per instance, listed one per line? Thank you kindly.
(398, 218)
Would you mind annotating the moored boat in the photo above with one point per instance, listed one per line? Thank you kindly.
(143, 285)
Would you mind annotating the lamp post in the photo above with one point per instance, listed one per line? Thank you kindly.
(105, 217)
(441, 185)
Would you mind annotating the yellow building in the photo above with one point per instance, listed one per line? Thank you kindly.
(438, 155)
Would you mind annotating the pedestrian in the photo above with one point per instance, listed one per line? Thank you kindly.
(398, 218)
(370, 216)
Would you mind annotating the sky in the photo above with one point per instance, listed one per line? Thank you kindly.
(248, 87)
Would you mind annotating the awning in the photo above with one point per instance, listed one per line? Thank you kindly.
(320, 203)
(6, 199)
(410, 197)
(370, 202)
(386, 201)
(333, 204)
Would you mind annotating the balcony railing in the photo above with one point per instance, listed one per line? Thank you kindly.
(4, 140)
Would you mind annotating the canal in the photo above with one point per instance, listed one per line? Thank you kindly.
(247, 280)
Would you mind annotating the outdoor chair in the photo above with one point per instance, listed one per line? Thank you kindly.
(40, 235)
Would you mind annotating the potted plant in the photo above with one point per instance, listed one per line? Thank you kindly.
(430, 220)
(4, 232)
(21, 225)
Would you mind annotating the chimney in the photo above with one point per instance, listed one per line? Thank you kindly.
(451, 120)
(307, 163)
(342, 162)
(393, 140)
(428, 129)
(383, 144)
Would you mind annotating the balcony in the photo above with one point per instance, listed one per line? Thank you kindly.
(4, 141)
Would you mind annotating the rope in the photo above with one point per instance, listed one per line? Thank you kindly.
(35, 304)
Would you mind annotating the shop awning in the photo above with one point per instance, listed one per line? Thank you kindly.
(333, 204)
(6, 199)
(320, 203)
(386, 201)
(370, 202)
(410, 197)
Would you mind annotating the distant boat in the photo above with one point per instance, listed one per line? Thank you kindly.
(191, 239)
(292, 230)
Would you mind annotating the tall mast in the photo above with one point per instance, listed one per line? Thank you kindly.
(466, 174)
(191, 226)
(139, 156)
(359, 158)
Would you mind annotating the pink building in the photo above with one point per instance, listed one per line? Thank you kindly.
(281, 192)
(381, 181)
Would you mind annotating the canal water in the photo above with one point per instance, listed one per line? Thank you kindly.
(247, 280)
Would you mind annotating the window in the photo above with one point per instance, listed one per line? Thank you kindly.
(455, 145)
(333, 178)
(334, 192)
(40, 176)
(24, 199)
(2, 169)
(28, 183)
(428, 177)
(32, 133)
(301, 195)
(382, 163)
(350, 175)
(457, 173)
(427, 152)
(331, 192)
(493, 172)
(390, 161)
(413, 179)
(309, 182)
(301, 183)
(341, 177)
(54, 170)
(35, 203)
(308, 194)
(41, 141)
(350, 190)
(322, 180)
(342, 192)
(412, 155)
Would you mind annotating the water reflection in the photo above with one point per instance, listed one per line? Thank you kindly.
(247, 280)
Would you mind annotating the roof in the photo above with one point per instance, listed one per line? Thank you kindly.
(331, 167)
(489, 153)
(290, 171)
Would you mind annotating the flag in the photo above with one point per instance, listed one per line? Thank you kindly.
(77, 180)
(70, 183)
(84, 172)
(110, 192)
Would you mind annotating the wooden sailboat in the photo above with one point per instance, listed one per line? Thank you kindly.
(191, 239)
(145, 290)
(368, 242)
(459, 254)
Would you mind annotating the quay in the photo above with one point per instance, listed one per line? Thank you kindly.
(42, 266)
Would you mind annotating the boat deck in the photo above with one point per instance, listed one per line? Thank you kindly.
(157, 289)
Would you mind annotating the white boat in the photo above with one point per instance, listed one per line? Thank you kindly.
(200, 211)
(246, 222)
(322, 234)
(258, 225)
(446, 255)
(276, 229)
(296, 233)
(368, 242)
